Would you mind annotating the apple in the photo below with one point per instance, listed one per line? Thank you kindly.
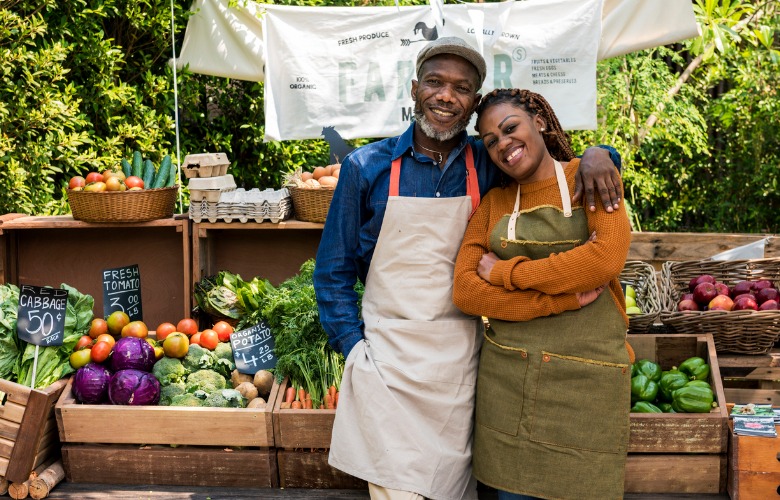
(741, 287)
(687, 305)
(768, 305)
(704, 278)
(761, 284)
(767, 294)
(745, 302)
(721, 303)
(633, 310)
(722, 288)
(77, 182)
(704, 293)
(738, 297)
(687, 296)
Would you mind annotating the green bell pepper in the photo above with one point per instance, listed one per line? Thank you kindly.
(645, 407)
(643, 389)
(666, 407)
(670, 382)
(696, 368)
(693, 399)
(649, 369)
(700, 383)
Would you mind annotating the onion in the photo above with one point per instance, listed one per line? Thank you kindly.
(132, 353)
(133, 387)
(90, 384)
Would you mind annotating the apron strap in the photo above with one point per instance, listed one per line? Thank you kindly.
(472, 183)
(563, 188)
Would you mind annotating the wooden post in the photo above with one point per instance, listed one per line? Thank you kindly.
(49, 478)
(19, 491)
(3, 486)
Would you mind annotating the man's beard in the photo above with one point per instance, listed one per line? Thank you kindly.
(429, 130)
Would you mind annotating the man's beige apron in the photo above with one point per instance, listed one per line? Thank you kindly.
(552, 415)
(406, 401)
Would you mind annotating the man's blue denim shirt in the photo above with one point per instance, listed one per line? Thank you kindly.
(358, 208)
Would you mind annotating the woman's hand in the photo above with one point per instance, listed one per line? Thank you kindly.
(486, 264)
(585, 298)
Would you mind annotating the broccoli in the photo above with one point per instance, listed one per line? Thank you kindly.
(169, 391)
(169, 371)
(226, 398)
(187, 400)
(223, 355)
(198, 358)
(205, 380)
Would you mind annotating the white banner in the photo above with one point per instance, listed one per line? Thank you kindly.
(351, 67)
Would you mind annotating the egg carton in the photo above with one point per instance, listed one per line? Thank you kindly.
(210, 188)
(205, 165)
(244, 206)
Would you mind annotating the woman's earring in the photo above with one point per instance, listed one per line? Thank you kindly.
(541, 129)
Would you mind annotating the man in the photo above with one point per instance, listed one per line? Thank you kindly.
(395, 223)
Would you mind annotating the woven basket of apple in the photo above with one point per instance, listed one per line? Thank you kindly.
(312, 192)
(131, 192)
(736, 301)
(643, 299)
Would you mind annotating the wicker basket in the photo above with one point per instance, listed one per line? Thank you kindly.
(123, 206)
(311, 205)
(744, 332)
(642, 277)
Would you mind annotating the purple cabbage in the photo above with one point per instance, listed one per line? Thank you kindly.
(133, 387)
(90, 384)
(132, 353)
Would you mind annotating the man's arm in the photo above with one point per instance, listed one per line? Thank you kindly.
(599, 172)
(335, 273)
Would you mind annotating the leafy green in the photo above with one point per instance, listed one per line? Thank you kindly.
(226, 295)
(9, 343)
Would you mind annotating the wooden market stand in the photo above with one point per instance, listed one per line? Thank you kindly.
(174, 254)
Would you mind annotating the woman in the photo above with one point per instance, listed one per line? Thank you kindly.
(553, 390)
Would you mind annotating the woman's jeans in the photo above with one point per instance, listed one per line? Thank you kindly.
(505, 495)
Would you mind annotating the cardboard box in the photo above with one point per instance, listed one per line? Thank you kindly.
(28, 429)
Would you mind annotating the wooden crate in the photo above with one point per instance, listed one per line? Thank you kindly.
(678, 452)
(302, 439)
(751, 378)
(165, 465)
(132, 444)
(754, 470)
(161, 248)
(167, 425)
(28, 429)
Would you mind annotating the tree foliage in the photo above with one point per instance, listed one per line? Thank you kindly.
(84, 83)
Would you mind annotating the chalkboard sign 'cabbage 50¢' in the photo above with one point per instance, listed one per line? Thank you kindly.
(17, 357)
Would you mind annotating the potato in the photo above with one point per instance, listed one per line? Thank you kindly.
(248, 390)
(237, 378)
(264, 380)
(256, 403)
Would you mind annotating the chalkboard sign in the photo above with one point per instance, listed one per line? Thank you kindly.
(122, 292)
(253, 349)
(41, 315)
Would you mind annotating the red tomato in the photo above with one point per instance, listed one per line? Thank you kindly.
(106, 338)
(77, 182)
(187, 326)
(195, 339)
(84, 341)
(164, 329)
(94, 177)
(134, 181)
(98, 327)
(100, 351)
(209, 339)
(223, 329)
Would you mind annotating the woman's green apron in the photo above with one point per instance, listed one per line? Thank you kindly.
(552, 415)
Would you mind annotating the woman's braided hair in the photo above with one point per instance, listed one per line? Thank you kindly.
(555, 138)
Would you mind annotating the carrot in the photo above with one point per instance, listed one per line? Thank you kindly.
(301, 394)
(308, 404)
(289, 394)
(296, 405)
(332, 391)
(336, 400)
(328, 399)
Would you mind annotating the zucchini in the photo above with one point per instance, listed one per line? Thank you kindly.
(127, 169)
(137, 164)
(148, 176)
(161, 179)
(172, 177)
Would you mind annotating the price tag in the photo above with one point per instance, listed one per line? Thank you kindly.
(41, 315)
(122, 291)
(253, 349)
